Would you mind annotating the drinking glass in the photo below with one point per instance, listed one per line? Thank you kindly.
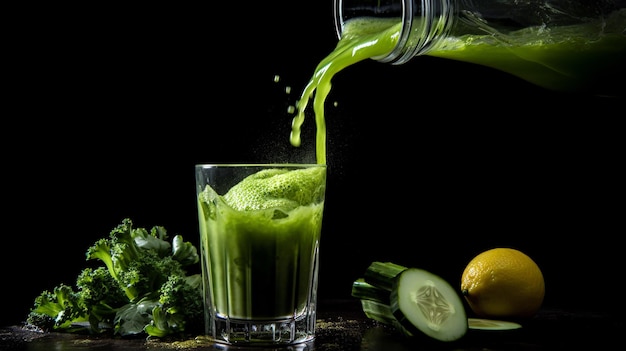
(260, 227)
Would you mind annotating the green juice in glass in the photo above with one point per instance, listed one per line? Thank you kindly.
(260, 242)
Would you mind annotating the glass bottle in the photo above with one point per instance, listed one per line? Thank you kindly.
(565, 45)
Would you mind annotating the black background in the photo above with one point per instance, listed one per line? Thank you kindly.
(429, 163)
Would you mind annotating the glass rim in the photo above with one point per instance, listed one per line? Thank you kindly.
(241, 165)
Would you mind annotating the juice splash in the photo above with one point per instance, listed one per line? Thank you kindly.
(587, 58)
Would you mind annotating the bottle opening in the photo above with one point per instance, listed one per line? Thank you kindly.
(380, 14)
(421, 23)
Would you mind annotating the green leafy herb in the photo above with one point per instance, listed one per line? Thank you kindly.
(140, 287)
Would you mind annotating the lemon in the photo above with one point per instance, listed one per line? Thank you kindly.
(503, 283)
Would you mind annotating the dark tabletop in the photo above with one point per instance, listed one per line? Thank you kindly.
(342, 327)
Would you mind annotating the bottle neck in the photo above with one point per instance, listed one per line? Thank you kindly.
(422, 23)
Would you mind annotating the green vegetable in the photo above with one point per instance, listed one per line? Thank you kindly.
(413, 301)
(491, 324)
(141, 286)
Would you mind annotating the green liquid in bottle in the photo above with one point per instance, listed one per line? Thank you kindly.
(584, 58)
(578, 58)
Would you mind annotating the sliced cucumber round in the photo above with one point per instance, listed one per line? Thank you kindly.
(423, 302)
(491, 324)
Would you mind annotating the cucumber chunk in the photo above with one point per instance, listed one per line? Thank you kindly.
(378, 312)
(414, 301)
(366, 291)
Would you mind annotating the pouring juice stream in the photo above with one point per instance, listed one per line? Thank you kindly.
(573, 58)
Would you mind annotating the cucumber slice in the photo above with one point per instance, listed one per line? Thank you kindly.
(423, 302)
(491, 324)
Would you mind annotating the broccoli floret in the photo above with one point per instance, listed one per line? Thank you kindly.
(180, 307)
(60, 308)
(118, 251)
(156, 240)
(144, 277)
(141, 286)
(184, 252)
(140, 260)
(98, 286)
(100, 293)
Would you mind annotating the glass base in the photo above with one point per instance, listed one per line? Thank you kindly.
(297, 333)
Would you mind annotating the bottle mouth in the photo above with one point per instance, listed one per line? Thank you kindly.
(345, 10)
(422, 23)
